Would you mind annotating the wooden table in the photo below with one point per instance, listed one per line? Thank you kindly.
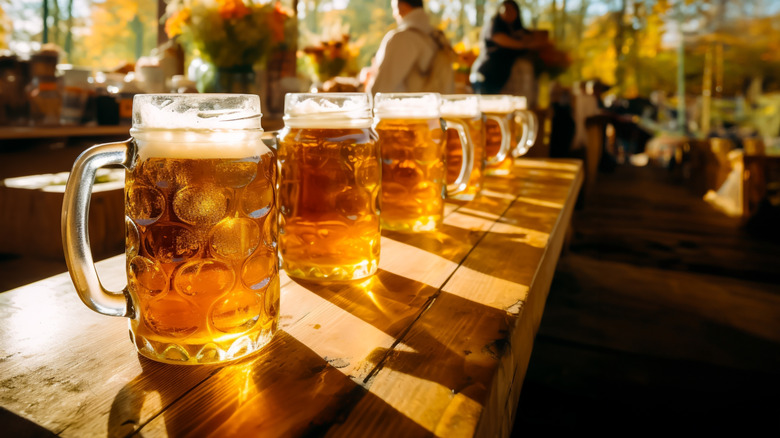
(437, 343)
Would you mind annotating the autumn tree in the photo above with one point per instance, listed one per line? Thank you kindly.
(112, 40)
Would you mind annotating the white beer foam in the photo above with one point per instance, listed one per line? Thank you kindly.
(521, 102)
(199, 144)
(460, 108)
(196, 112)
(325, 114)
(504, 104)
(418, 107)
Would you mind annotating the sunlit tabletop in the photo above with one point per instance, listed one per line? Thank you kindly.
(437, 343)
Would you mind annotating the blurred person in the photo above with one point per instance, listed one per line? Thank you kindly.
(408, 57)
(504, 46)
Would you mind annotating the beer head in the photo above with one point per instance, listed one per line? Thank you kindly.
(407, 105)
(460, 106)
(521, 103)
(197, 125)
(327, 110)
(496, 104)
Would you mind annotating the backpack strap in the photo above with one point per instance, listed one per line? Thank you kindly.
(440, 42)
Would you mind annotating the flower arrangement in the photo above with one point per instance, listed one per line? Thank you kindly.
(330, 58)
(228, 33)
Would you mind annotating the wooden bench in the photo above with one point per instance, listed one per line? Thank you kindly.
(437, 343)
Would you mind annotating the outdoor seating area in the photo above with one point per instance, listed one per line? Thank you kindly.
(493, 218)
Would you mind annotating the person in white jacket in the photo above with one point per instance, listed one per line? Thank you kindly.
(405, 51)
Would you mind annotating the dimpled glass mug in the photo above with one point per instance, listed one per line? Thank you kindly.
(411, 139)
(463, 110)
(328, 187)
(202, 275)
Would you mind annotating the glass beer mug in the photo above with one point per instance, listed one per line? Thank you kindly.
(202, 275)
(463, 110)
(499, 111)
(524, 127)
(328, 187)
(411, 138)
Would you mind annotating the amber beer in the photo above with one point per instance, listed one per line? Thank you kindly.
(329, 187)
(413, 172)
(499, 117)
(200, 229)
(464, 109)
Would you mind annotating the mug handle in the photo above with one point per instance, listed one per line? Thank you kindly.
(530, 123)
(506, 141)
(75, 235)
(467, 148)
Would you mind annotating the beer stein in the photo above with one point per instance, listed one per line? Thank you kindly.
(499, 111)
(411, 138)
(460, 110)
(202, 272)
(524, 127)
(328, 187)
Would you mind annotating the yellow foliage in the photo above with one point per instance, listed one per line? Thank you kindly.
(5, 28)
(110, 40)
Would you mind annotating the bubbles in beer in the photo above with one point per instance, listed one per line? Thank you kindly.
(170, 243)
(260, 269)
(236, 313)
(406, 173)
(149, 275)
(132, 238)
(200, 205)
(352, 202)
(203, 277)
(258, 198)
(367, 175)
(171, 316)
(164, 175)
(272, 298)
(270, 231)
(235, 238)
(424, 191)
(145, 204)
(236, 174)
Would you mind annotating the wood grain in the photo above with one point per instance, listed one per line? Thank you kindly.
(436, 343)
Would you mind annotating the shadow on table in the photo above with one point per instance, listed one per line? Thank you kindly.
(284, 390)
(387, 301)
(425, 331)
(449, 242)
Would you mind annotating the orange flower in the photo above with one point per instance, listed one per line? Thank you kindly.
(174, 23)
(232, 9)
